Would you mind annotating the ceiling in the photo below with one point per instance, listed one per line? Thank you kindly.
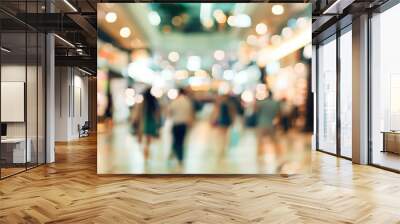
(332, 15)
(73, 21)
(191, 37)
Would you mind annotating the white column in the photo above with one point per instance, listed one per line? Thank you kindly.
(50, 99)
(360, 90)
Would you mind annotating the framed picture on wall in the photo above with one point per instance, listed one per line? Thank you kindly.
(12, 101)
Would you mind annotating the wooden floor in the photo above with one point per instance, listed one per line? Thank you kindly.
(70, 191)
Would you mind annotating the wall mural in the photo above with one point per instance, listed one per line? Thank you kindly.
(208, 88)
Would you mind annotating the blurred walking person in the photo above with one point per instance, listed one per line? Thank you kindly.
(286, 113)
(222, 118)
(267, 110)
(147, 119)
(108, 113)
(181, 112)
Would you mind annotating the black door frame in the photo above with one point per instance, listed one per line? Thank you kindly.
(338, 33)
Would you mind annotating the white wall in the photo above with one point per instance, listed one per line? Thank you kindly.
(61, 103)
(71, 94)
(80, 104)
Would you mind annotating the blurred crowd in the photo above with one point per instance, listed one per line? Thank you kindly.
(267, 117)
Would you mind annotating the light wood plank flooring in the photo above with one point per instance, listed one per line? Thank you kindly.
(70, 191)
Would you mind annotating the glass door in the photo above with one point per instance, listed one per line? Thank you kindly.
(326, 101)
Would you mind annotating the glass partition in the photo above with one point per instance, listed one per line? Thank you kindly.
(346, 93)
(385, 89)
(14, 145)
(22, 88)
(327, 96)
(41, 110)
(32, 96)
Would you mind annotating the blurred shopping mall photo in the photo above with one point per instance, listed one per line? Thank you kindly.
(131, 111)
(207, 89)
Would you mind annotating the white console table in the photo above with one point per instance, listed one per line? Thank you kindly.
(18, 149)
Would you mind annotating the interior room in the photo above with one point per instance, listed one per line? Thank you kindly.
(385, 89)
(75, 76)
(30, 92)
(334, 93)
(22, 98)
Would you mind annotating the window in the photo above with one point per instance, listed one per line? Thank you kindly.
(385, 89)
(346, 93)
(327, 96)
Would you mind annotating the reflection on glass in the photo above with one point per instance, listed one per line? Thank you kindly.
(31, 97)
(22, 91)
(14, 153)
(385, 89)
(327, 97)
(346, 94)
(41, 99)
